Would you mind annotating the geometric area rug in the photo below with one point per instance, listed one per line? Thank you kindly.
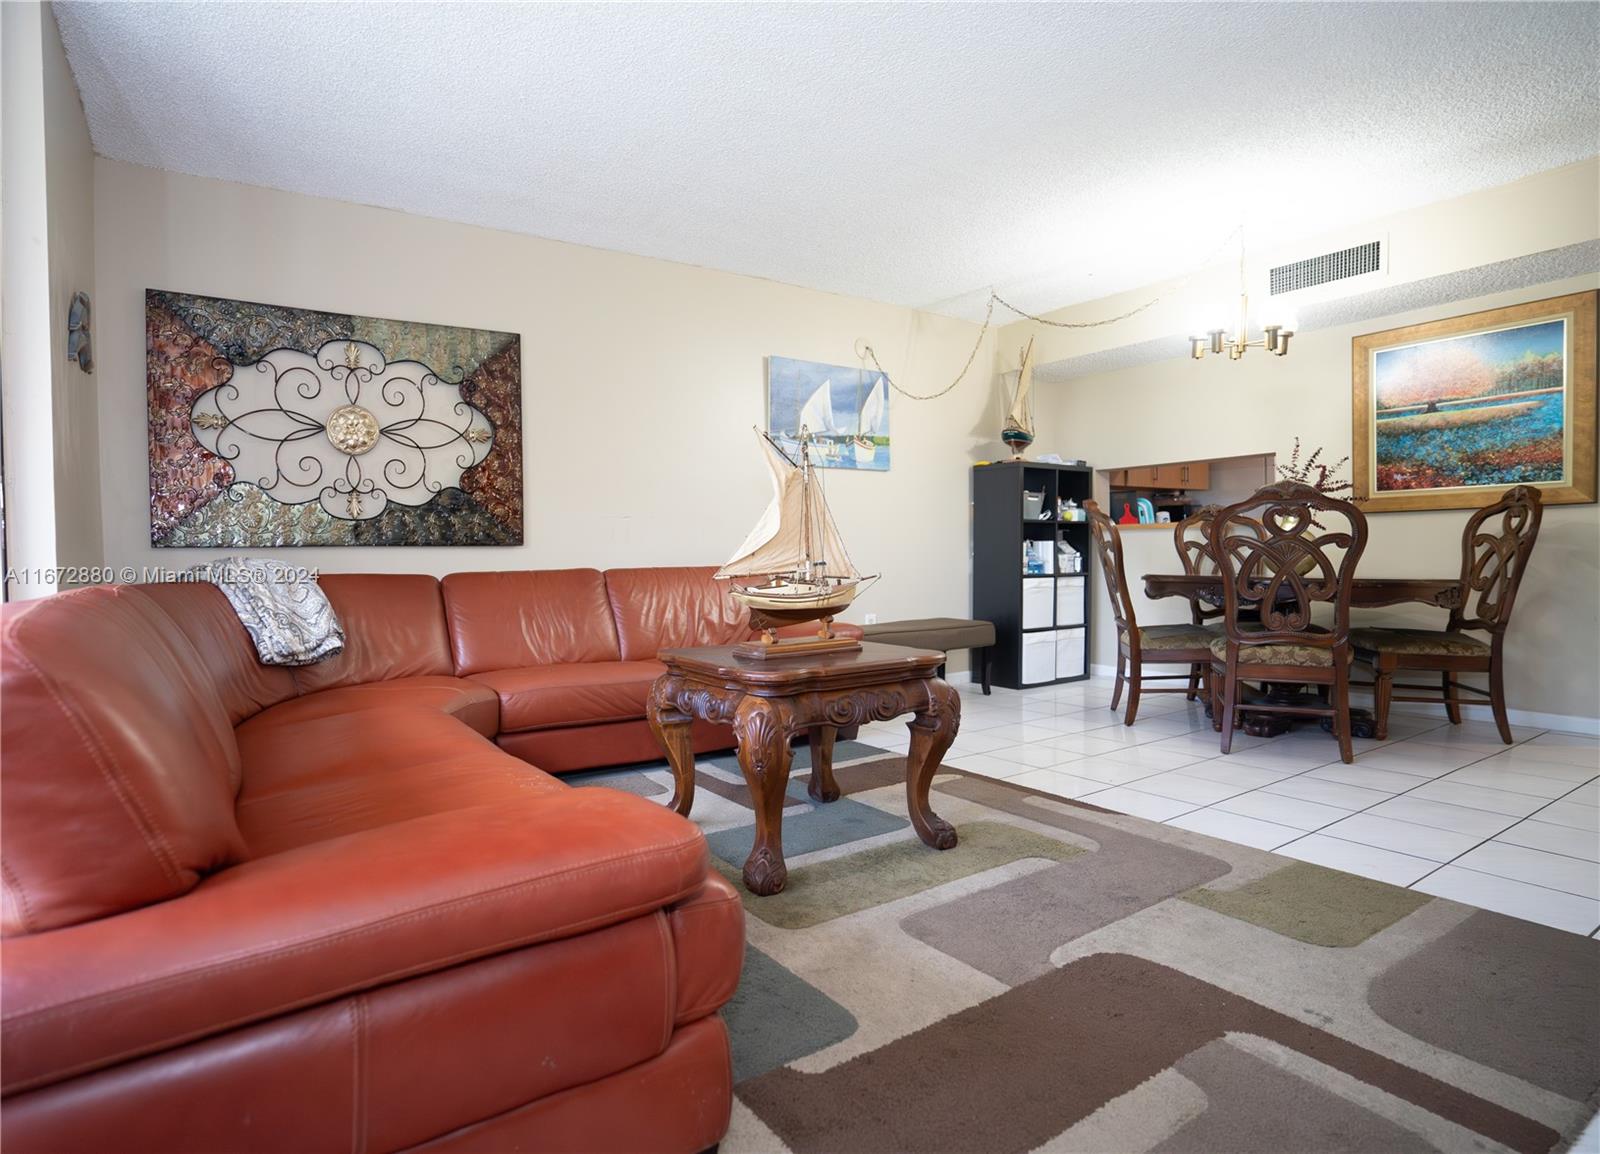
(1071, 980)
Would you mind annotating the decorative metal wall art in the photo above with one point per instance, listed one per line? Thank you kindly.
(282, 426)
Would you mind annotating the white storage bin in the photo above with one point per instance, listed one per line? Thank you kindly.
(1037, 610)
(1069, 601)
(1038, 658)
(1069, 652)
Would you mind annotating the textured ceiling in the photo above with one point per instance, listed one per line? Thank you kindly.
(907, 153)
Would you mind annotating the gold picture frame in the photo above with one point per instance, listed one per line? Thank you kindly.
(1471, 405)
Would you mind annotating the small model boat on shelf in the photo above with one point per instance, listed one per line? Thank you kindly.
(793, 567)
(1017, 432)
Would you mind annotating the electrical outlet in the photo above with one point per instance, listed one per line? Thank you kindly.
(871, 619)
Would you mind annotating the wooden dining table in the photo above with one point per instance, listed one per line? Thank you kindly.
(1365, 593)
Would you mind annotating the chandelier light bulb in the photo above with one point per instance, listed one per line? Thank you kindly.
(1275, 330)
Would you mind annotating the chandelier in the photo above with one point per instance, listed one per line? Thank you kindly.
(1274, 337)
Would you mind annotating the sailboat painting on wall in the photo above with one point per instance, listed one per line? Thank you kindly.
(846, 411)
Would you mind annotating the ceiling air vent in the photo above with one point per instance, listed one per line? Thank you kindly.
(1357, 260)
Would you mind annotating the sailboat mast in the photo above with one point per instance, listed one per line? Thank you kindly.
(805, 502)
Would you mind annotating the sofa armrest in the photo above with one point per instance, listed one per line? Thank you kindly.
(323, 920)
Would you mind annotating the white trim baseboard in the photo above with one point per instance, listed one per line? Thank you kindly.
(1588, 726)
(1565, 723)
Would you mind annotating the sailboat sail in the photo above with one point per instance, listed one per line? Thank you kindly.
(794, 520)
(1020, 415)
(875, 411)
(817, 413)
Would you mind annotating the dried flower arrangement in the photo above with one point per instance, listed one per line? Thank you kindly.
(1318, 476)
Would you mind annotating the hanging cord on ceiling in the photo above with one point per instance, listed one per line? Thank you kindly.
(866, 352)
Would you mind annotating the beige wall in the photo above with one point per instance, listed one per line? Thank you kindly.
(69, 180)
(51, 451)
(25, 341)
(1183, 409)
(641, 380)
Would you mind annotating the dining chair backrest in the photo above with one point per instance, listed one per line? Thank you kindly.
(1192, 538)
(1108, 543)
(1495, 547)
(1281, 552)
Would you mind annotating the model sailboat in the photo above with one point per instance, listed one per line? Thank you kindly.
(1017, 432)
(793, 567)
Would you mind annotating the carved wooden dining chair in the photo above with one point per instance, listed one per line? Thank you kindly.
(1282, 553)
(1157, 644)
(1192, 539)
(1495, 547)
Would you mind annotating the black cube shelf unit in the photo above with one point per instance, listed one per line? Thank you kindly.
(1041, 622)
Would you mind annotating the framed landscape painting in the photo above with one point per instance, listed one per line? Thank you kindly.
(846, 411)
(1449, 414)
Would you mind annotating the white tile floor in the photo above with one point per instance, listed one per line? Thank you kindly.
(1446, 810)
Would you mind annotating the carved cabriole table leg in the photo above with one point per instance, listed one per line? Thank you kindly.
(671, 727)
(932, 730)
(821, 786)
(761, 727)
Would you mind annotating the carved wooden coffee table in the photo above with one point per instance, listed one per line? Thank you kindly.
(770, 702)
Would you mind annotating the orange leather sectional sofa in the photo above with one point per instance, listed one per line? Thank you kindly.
(255, 909)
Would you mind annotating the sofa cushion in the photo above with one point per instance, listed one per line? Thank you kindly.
(570, 749)
(669, 608)
(117, 789)
(519, 1026)
(312, 778)
(228, 659)
(467, 701)
(550, 696)
(707, 935)
(688, 1089)
(350, 913)
(533, 617)
(393, 627)
(340, 804)
(281, 750)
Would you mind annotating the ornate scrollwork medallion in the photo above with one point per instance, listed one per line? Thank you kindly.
(352, 429)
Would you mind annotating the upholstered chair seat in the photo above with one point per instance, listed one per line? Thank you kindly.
(1184, 636)
(1289, 654)
(1432, 642)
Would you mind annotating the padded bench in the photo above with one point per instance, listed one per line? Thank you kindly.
(943, 633)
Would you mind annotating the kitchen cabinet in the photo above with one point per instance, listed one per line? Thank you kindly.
(1188, 475)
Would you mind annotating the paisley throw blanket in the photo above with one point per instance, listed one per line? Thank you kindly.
(283, 609)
